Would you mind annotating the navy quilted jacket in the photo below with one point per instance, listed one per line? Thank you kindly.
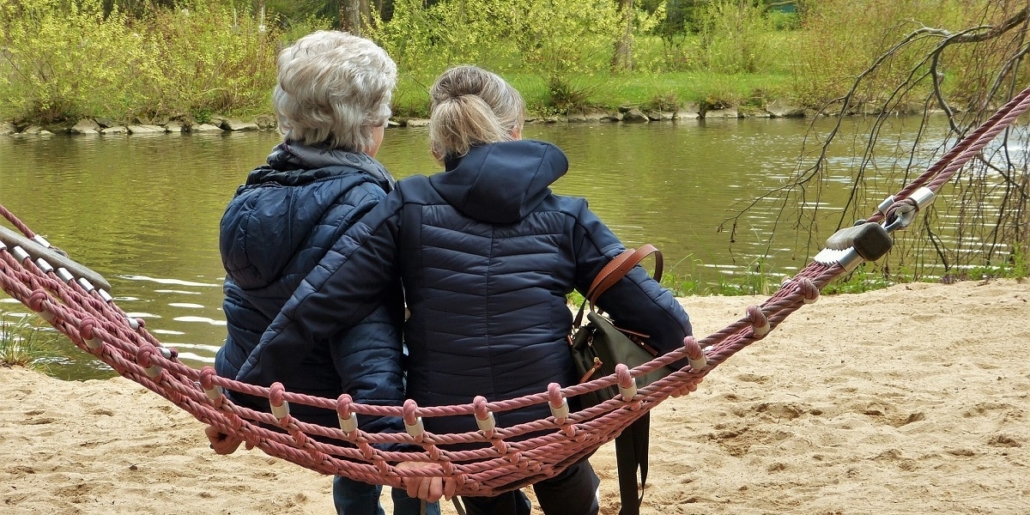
(487, 255)
(275, 230)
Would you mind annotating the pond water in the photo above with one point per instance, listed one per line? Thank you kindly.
(143, 210)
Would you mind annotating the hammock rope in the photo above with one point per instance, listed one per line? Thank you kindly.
(500, 459)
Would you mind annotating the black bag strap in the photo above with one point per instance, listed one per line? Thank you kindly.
(614, 271)
(631, 448)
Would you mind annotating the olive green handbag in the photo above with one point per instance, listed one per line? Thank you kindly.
(598, 345)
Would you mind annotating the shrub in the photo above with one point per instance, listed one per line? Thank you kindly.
(20, 343)
(63, 59)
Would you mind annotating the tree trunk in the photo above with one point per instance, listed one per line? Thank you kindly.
(366, 14)
(350, 16)
(623, 58)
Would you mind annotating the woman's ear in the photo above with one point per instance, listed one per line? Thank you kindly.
(516, 134)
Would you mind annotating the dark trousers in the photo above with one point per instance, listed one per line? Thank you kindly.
(573, 492)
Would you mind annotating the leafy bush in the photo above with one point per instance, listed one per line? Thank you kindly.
(552, 37)
(208, 58)
(842, 38)
(63, 59)
(732, 35)
(21, 343)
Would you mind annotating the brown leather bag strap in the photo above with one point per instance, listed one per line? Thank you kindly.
(615, 270)
(619, 267)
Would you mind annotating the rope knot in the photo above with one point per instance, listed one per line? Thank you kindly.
(759, 322)
(343, 403)
(38, 300)
(413, 422)
(348, 421)
(484, 418)
(695, 354)
(808, 288)
(627, 385)
(144, 358)
(557, 402)
(87, 333)
(206, 377)
(410, 406)
(207, 383)
(277, 401)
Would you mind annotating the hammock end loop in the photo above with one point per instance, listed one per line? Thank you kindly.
(759, 323)
(213, 392)
(695, 354)
(348, 420)
(627, 383)
(557, 402)
(901, 214)
(144, 359)
(484, 417)
(412, 422)
(280, 408)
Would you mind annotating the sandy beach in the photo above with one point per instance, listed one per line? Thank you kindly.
(909, 400)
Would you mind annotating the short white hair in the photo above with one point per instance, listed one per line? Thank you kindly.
(333, 89)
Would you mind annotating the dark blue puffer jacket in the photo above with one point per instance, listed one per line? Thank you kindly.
(275, 230)
(487, 255)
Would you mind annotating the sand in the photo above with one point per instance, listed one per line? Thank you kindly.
(910, 400)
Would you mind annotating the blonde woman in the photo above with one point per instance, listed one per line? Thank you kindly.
(487, 255)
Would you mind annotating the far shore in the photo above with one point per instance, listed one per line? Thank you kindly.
(688, 113)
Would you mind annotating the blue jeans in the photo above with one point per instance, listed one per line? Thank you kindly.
(356, 498)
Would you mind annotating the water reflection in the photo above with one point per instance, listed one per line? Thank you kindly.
(144, 212)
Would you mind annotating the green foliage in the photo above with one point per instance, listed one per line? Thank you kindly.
(1015, 266)
(864, 278)
(209, 57)
(21, 343)
(842, 38)
(732, 35)
(564, 97)
(667, 102)
(63, 59)
(552, 38)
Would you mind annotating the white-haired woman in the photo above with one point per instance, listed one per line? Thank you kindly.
(487, 255)
(332, 102)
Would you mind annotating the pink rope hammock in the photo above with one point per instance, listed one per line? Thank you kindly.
(504, 458)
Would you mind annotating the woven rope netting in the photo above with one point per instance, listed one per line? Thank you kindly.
(502, 458)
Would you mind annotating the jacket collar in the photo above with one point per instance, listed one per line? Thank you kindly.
(501, 182)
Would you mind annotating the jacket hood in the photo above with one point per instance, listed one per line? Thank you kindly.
(501, 182)
(290, 211)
